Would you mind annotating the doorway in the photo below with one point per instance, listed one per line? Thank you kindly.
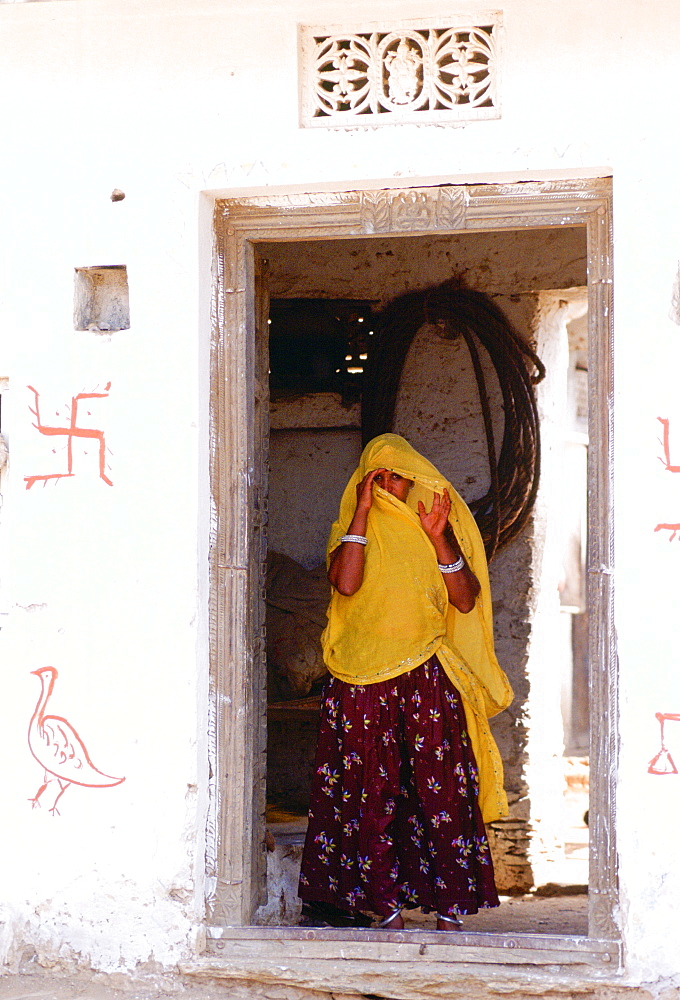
(253, 232)
(320, 348)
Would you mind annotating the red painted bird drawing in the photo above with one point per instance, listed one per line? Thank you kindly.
(58, 748)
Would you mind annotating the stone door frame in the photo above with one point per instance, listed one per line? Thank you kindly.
(235, 853)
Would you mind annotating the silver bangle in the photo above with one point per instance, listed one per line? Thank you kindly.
(452, 567)
(355, 538)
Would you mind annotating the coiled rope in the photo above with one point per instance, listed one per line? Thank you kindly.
(514, 473)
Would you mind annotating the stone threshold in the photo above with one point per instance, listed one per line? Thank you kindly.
(410, 965)
(280, 944)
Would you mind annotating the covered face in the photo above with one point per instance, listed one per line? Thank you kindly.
(393, 483)
(407, 475)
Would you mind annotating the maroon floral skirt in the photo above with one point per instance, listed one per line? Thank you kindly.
(394, 819)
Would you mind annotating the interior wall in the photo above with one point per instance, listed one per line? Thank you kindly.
(309, 469)
(549, 648)
(381, 268)
(511, 267)
(439, 412)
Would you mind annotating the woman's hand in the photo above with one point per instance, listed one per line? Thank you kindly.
(462, 586)
(434, 524)
(365, 493)
(346, 570)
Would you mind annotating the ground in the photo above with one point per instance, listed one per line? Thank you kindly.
(48, 984)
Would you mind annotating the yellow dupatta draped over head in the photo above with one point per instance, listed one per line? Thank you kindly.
(401, 616)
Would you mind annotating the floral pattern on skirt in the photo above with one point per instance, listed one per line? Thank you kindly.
(394, 819)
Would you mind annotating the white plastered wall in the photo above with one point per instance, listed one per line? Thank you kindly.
(165, 101)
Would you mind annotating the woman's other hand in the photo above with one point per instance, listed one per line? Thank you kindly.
(462, 586)
(434, 524)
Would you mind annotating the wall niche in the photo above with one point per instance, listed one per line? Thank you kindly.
(101, 298)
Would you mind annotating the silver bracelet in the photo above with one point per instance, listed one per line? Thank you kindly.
(355, 538)
(452, 567)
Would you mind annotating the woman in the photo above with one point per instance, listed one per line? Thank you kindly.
(407, 771)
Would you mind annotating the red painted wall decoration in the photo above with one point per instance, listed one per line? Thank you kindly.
(59, 750)
(668, 465)
(70, 431)
(663, 763)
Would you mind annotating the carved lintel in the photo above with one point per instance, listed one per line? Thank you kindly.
(375, 211)
(412, 210)
(451, 208)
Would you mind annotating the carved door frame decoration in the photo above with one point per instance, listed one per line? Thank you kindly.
(239, 432)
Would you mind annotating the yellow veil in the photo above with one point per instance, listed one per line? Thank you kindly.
(401, 616)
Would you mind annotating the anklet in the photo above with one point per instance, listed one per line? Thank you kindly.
(393, 916)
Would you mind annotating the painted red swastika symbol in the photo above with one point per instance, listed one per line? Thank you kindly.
(70, 432)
